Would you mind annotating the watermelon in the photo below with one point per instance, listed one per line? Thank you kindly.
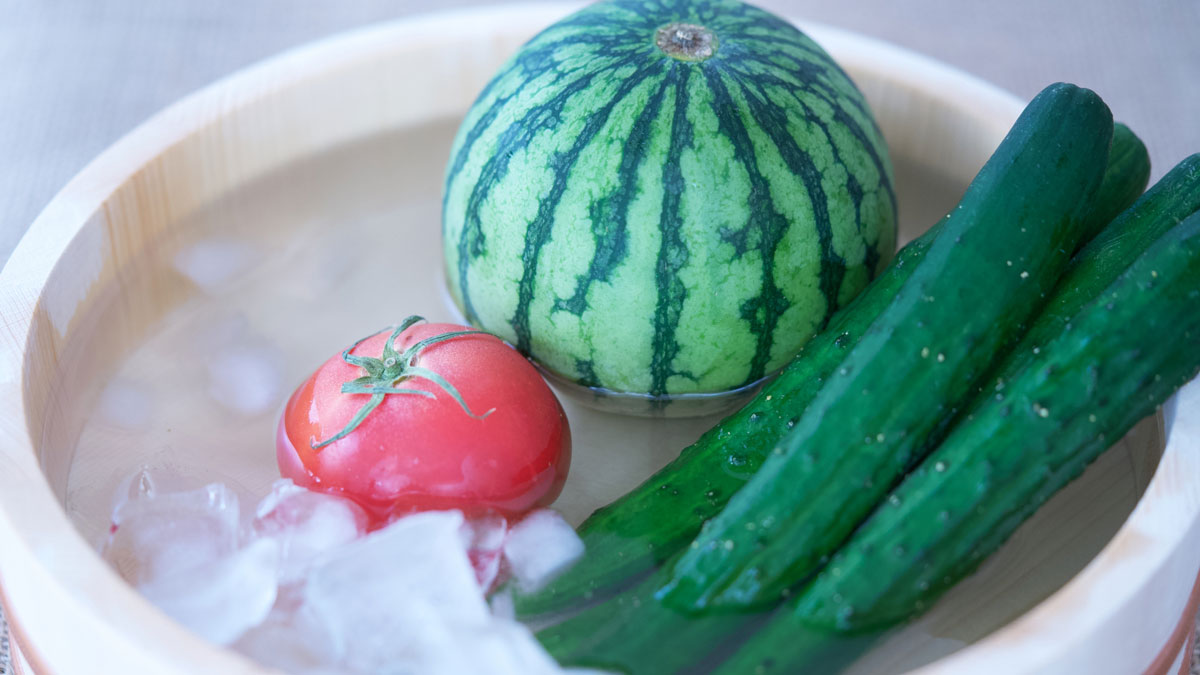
(665, 198)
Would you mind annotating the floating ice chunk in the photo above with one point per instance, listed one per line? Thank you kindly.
(156, 534)
(296, 640)
(226, 329)
(404, 599)
(405, 582)
(306, 524)
(484, 538)
(222, 599)
(245, 379)
(494, 648)
(503, 605)
(209, 264)
(541, 547)
(127, 405)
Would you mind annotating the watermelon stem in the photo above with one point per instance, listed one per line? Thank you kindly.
(392, 368)
(686, 41)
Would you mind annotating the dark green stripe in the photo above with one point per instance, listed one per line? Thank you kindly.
(786, 35)
(829, 97)
(532, 64)
(547, 114)
(540, 229)
(763, 311)
(772, 119)
(610, 214)
(672, 250)
(853, 187)
(796, 65)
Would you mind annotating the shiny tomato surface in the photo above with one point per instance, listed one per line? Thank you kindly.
(509, 454)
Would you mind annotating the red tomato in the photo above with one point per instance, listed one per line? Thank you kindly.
(509, 454)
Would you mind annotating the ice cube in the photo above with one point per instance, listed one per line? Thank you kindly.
(246, 379)
(405, 582)
(503, 605)
(296, 640)
(492, 648)
(306, 524)
(510, 647)
(222, 599)
(484, 538)
(209, 264)
(127, 405)
(541, 547)
(155, 534)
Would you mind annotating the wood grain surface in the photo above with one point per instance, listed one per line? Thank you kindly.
(78, 74)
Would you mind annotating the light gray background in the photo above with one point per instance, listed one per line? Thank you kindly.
(76, 75)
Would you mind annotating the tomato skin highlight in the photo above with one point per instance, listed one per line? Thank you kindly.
(414, 453)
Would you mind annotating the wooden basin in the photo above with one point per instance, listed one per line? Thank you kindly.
(292, 165)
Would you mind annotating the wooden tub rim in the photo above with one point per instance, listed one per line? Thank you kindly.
(80, 597)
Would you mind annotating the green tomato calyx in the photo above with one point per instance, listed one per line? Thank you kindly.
(392, 368)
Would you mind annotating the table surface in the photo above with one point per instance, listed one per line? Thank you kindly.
(79, 74)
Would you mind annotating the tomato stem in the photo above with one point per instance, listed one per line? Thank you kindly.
(384, 373)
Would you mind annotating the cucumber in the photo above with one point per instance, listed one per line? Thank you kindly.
(1125, 179)
(645, 527)
(634, 633)
(997, 256)
(1055, 413)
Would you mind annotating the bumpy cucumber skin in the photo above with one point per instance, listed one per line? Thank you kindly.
(645, 527)
(1010, 236)
(1125, 179)
(1084, 375)
(1054, 415)
(1174, 197)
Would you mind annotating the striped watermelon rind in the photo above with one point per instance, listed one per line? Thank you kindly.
(645, 222)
